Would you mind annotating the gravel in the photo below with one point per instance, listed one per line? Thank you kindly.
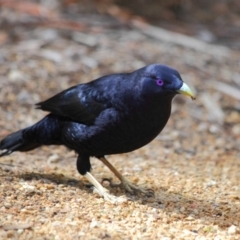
(193, 165)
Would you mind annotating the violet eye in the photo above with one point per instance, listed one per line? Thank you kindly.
(159, 82)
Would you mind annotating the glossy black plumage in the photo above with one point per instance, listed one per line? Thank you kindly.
(113, 114)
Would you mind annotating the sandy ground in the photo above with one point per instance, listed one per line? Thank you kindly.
(193, 165)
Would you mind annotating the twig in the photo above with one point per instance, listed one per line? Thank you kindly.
(141, 24)
(180, 39)
(226, 89)
(215, 112)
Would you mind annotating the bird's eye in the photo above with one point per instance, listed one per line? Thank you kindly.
(159, 82)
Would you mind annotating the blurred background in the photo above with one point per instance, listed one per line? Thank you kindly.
(210, 21)
(47, 46)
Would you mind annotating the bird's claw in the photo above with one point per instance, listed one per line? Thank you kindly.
(130, 187)
(108, 197)
(111, 184)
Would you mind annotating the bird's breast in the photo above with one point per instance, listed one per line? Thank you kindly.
(129, 129)
(119, 130)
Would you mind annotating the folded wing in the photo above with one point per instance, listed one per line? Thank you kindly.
(76, 103)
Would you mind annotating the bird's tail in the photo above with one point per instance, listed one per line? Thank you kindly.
(45, 132)
(16, 142)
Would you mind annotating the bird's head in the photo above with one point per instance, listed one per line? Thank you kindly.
(158, 78)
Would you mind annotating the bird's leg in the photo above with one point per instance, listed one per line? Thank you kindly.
(103, 192)
(130, 187)
(84, 167)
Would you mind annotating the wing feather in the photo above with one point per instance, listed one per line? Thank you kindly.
(77, 103)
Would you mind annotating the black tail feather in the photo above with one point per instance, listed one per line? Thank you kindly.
(45, 132)
(15, 142)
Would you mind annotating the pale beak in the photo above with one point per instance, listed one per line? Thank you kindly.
(185, 90)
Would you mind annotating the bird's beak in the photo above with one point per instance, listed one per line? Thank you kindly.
(185, 90)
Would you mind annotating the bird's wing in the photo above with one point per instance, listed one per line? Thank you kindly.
(77, 103)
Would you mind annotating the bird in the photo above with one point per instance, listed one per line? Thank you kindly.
(113, 114)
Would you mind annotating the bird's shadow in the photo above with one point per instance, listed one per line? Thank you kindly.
(222, 214)
(56, 179)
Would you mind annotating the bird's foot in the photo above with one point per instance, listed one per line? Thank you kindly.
(103, 192)
(130, 187)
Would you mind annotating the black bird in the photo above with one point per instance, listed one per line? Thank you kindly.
(113, 114)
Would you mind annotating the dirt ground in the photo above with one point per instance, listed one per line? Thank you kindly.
(193, 165)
